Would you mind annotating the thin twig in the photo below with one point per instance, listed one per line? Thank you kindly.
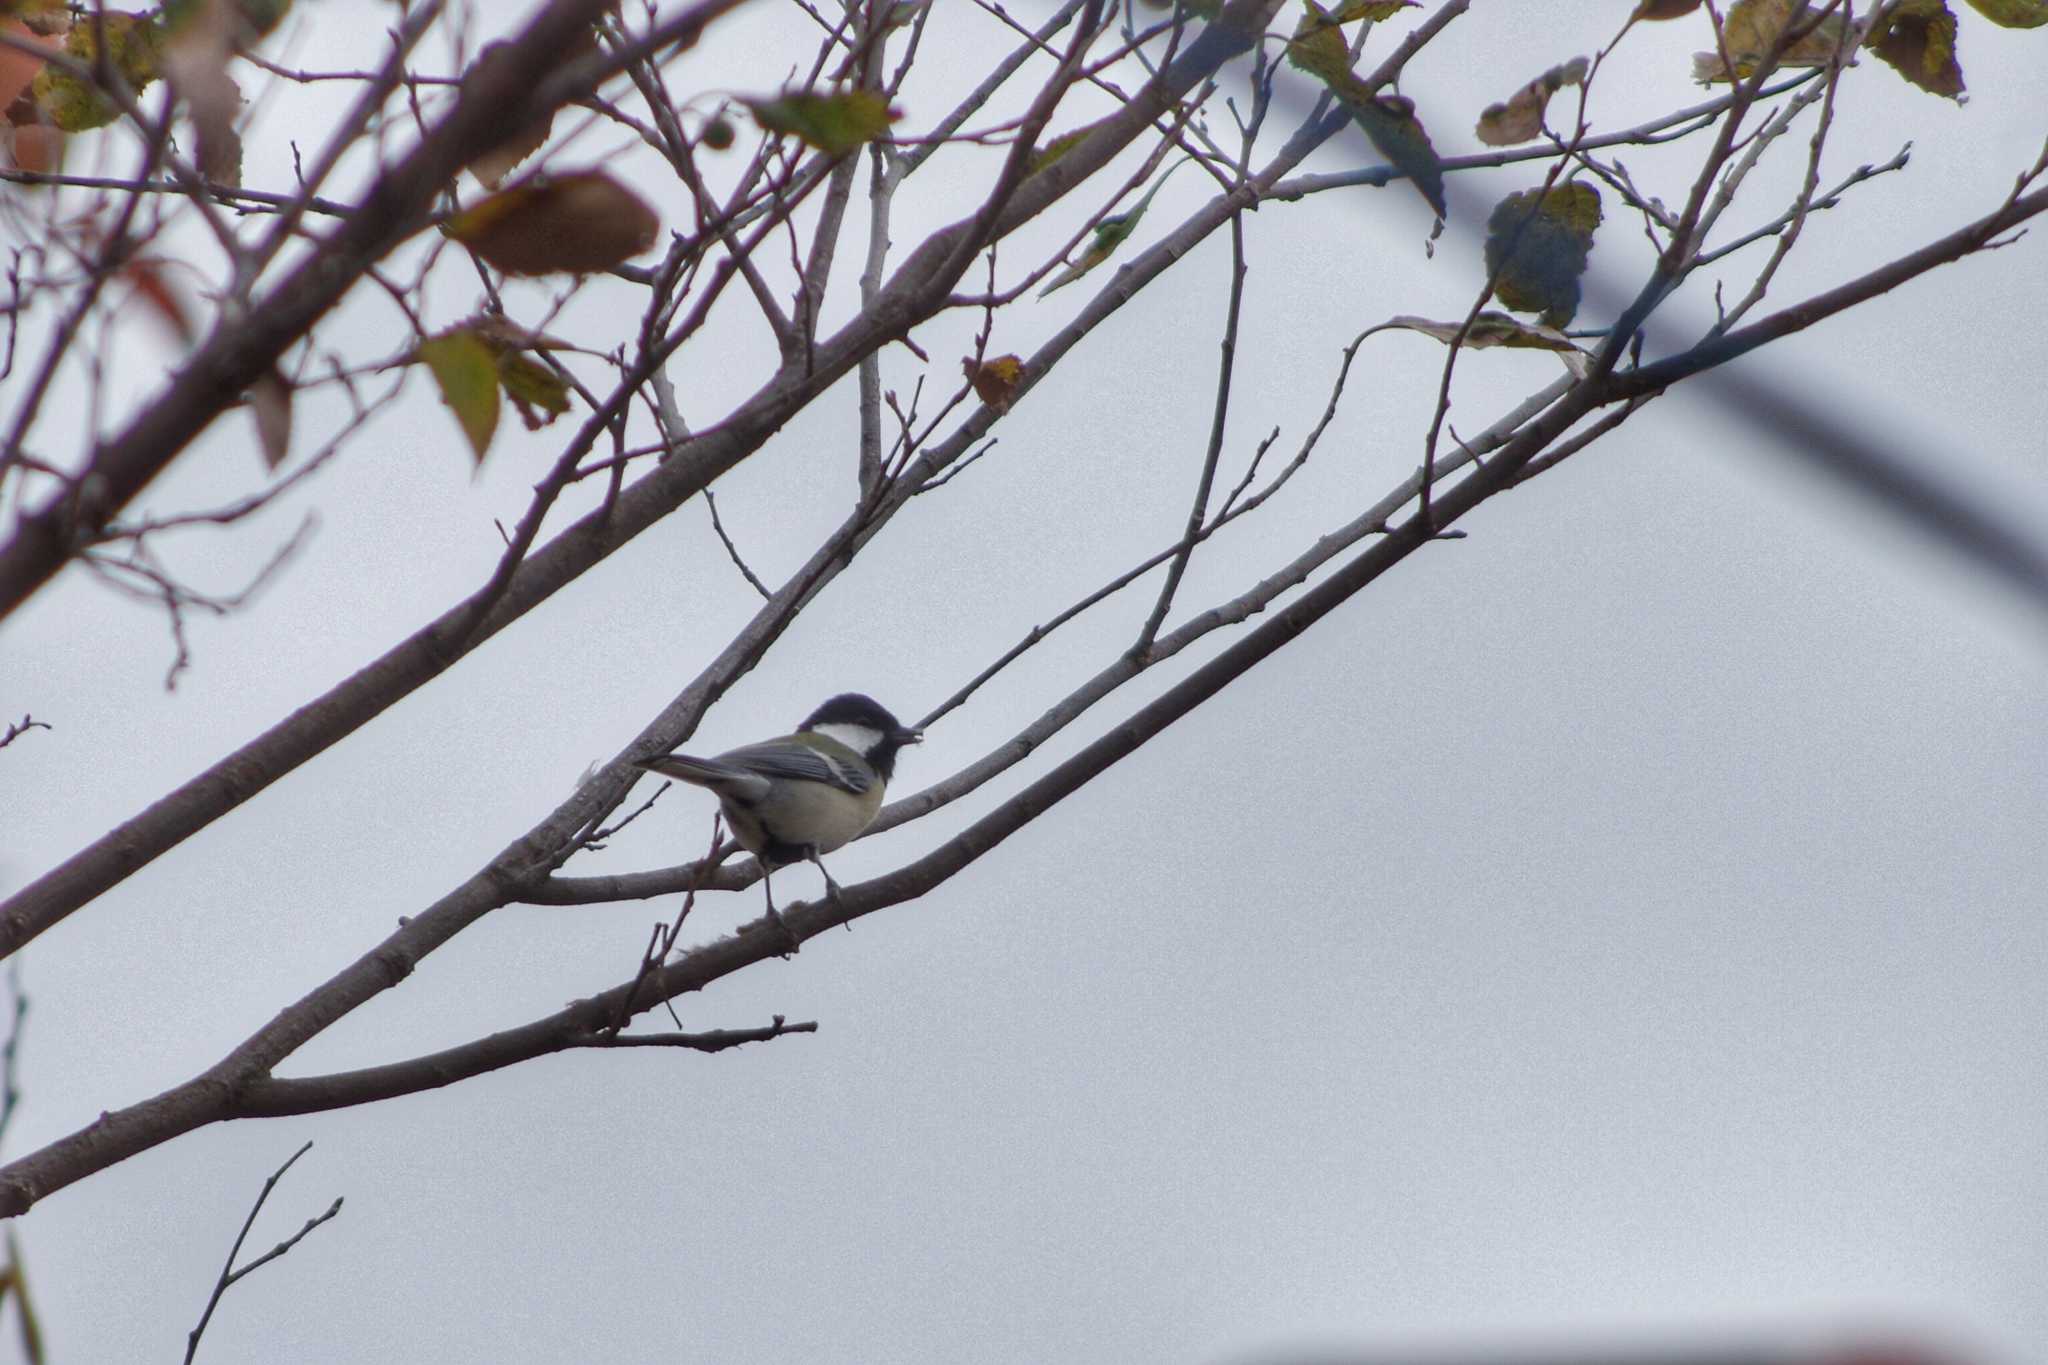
(229, 1275)
(15, 730)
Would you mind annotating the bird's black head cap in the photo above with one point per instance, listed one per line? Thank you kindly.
(854, 708)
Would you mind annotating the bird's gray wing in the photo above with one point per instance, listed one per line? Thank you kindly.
(794, 759)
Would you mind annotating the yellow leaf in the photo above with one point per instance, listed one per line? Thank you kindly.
(835, 123)
(537, 392)
(467, 375)
(2013, 13)
(1318, 47)
(133, 43)
(1351, 11)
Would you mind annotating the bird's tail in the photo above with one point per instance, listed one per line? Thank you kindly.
(702, 772)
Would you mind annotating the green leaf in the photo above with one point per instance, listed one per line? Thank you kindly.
(1920, 42)
(1537, 243)
(1519, 118)
(1041, 157)
(1390, 122)
(2013, 13)
(467, 375)
(1109, 235)
(134, 46)
(835, 124)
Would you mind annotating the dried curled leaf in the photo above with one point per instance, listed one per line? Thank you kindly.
(1492, 328)
(1753, 28)
(1520, 117)
(153, 288)
(1665, 9)
(835, 123)
(1537, 244)
(995, 381)
(195, 62)
(270, 400)
(34, 147)
(567, 224)
(18, 68)
(1920, 43)
(523, 141)
(493, 166)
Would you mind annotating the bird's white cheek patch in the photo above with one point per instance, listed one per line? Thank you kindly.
(859, 738)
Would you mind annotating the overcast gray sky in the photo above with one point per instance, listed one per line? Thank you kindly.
(1630, 914)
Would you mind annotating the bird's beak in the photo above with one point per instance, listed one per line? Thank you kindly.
(910, 736)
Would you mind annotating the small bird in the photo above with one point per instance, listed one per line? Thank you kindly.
(796, 798)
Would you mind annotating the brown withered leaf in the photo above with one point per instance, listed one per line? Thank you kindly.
(270, 400)
(1920, 43)
(151, 284)
(195, 62)
(17, 68)
(569, 225)
(1520, 117)
(995, 381)
(494, 165)
(37, 147)
(1753, 27)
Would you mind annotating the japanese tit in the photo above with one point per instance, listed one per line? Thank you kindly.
(795, 798)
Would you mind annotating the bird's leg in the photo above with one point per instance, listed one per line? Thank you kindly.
(795, 943)
(831, 887)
